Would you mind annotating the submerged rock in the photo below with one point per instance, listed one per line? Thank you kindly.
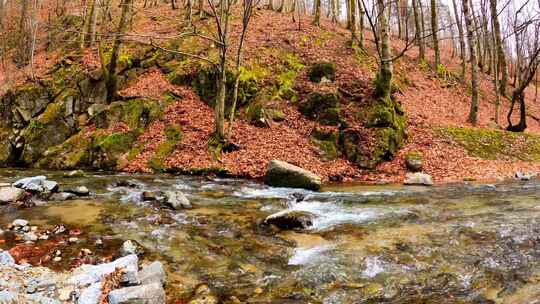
(91, 294)
(62, 196)
(145, 294)
(75, 173)
(10, 195)
(523, 176)
(177, 200)
(288, 220)
(418, 179)
(79, 191)
(283, 174)
(89, 274)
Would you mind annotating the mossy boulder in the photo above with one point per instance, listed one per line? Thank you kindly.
(323, 107)
(414, 161)
(322, 70)
(106, 151)
(136, 113)
(6, 148)
(74, 153)
(19, 106)
(48, 129)
(282, 174)
(262, 113)
(327, 142)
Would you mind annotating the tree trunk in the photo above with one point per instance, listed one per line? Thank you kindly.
(317, 18)
(462, 50)
(478, 41)
(418, 35)
(362, 12)
(353, 21)
(502, 67)
(384, 79)
(473, 113)
(434, 33)
(111, 82)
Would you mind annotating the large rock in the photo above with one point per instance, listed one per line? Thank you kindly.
(145, 294)
(177, 200)
(36, 184)
(414, 161)
(91, 294)
(153, 273)
(89, 274)
(6, 258)
(290, 219)
(282, 174)
(418, 179)
(10, 194)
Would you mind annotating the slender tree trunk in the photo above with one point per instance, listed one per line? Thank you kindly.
(384, 79)
(434, 33)
(423, 29)
(418, 35)
(111, 82)
(473, 113)
(398, 19)
(478, 41)
(90, 22)
(352, 4)
(502, 67)
(362, 12)
(463, 52)
(349, 13)
(317, 18)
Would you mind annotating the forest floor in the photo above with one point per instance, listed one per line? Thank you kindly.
(436, 107)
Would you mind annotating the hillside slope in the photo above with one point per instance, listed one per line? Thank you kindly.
(164, 120)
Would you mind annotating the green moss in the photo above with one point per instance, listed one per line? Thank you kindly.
(327, 142)
(115, 143)
(322, 70)
(495, 144)
(173, 136)
(323, 107)
(52, 112)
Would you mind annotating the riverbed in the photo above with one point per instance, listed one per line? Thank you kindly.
(461, 243)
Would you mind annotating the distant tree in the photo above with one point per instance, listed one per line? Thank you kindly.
(317, 14)
(434, 33)
(418, 34)
(473, 113)
(461, 38)
(501, 57)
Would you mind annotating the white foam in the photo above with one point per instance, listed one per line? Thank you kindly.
(312, 255)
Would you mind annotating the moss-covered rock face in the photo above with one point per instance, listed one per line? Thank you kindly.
(327, 142)
(136, 113)
(494, 144)
(6, 149)
(173, 135)
(322, 70)
(323, 107)
(262, 113)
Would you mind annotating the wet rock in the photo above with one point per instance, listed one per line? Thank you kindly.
(6, 259)
(288, 220)
(282, 174)
(177, 200)
(91, 294)
(144, 294)
(414, 161)
(79, 191)
(75, 173)
(30, 237)
(153, 273)
(149, 196)
(36, 184)
(130, 247)
(19, 223)
(62, 196)
(126, 183)
(10, 195)
(523, 176)
(418, 179)
(89, 274)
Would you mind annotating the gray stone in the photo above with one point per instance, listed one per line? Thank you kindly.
(418, 179)
(153, 273)
(9, 297)
(30, 237)
(129, 247)
(62, 196)
(282, 174)
(89, 274)
(75, 173)
(34, 183)
(10, 195)
(19, 223)
(523, 176)
(6, 259)
(50, 186)
(177, 200)
(145, 294)
(414, 161)
(91, 294)
(79, 191)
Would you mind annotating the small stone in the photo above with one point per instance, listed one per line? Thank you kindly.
(57, 259)
(290, 219)
(26, 228)
(43, 237)
(79, 191)
(75, 173)
(99, 242)
(177, 200)
(522, 176)
(19, 223)
(6, 258)
(73, 240)
(414, 161)
(130, 247)
(50, 186)
(30, 237)
(59, 229)
(62, 196)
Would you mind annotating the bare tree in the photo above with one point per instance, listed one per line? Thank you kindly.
(473, 113)
(462, 50)
(501, 57)
(434, 33)
(418, 34)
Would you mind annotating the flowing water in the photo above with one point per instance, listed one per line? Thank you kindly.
(368, 244)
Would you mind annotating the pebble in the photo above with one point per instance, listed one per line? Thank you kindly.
(73, 240)
(57, 259)
(19, 223)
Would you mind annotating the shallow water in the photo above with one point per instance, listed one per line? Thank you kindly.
(368, 244)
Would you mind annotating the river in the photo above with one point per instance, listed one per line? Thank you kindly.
(462, 243)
